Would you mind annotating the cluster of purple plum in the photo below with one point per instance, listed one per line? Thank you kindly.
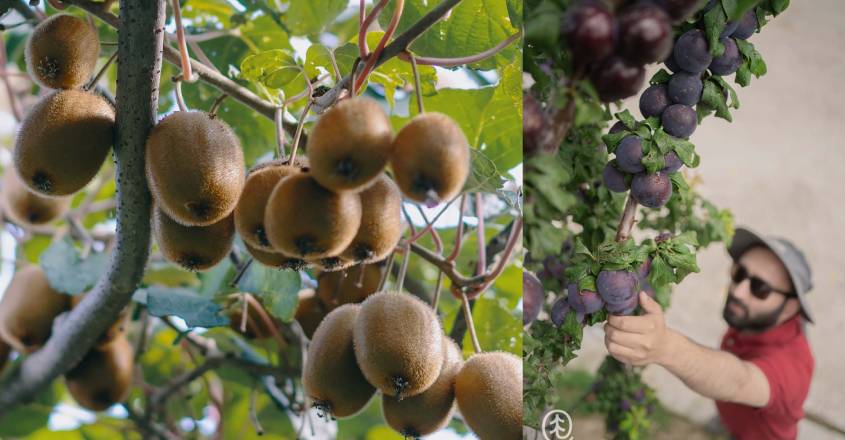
(613, 46)
(617, 292)
(626, 172)
(673, 101)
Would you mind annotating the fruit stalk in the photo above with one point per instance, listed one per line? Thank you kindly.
(470, 325)
(626, 223)
(187, 75)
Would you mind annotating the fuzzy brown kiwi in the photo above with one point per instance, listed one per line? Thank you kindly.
(116, 330)
(333, 264)
(195, 168)
(398, 343)
(63, 141)
(381, 222)
(26, 207)
(339, 288)
(193, 247)
(28, 309)
(331, 377)
(306, 220)
(350, 144)
(488, 390)
(310, 312)
(432, 409)
(249, 212)
(256, 328)
(103, 377)
(276, 259)
(430, 158)
(62, 52)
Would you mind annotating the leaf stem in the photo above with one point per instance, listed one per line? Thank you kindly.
(459, 234)
(417, 87)
(298, 134)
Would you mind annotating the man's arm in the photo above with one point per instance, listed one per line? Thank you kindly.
(643, 340)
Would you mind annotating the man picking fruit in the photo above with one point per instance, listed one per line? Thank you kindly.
(761, 374)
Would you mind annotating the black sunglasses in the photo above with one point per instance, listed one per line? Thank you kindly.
(759, 288)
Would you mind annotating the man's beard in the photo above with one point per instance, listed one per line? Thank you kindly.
(744, 322)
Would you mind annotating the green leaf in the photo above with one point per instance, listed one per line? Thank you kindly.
(496, 324)
(66, 270)
(273, 69)
(277, 289)
(483, 176)
(318, 61)
(472, 26)
(197, 311)
(515, 12)
(309, 17)
(713, 97)
(714, 23)
(755, 61)
(627, 119)
(661, 77)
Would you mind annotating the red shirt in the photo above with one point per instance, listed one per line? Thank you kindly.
(784, 356)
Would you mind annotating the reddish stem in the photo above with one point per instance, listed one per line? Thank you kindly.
(373, 58)
(364, 24)
(459, 234)
(187, 75)
(481, 265)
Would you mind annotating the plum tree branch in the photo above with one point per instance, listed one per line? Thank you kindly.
(137, 99)
(627, 221)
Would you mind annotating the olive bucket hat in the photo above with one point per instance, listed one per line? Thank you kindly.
(791, 257)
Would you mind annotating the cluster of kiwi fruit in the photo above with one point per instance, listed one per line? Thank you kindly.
(65, 138)
(393, 343)
(331, 210)
(333, 290)
(27, 311)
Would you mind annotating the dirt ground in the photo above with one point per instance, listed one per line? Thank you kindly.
(779, 168)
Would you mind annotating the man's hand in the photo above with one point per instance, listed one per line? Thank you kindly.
(638, 340)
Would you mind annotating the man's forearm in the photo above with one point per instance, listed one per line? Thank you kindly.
(714, 373)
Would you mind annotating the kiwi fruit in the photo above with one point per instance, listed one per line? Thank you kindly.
(430, 158)
(28, 308)
(193, 247)
(62, 52)
(276, 259)
(117, 329)
(398, 343)
(63, 141)
(103, 377)
(488, 390)
(432, 409)
(309, 312)
(256, 328)
(249, 212)
(26, 207)
(333, 264)
(350, 144)
(381, 222)
(339, 288)
(331, 377)
(306, 220)
(195, 168)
